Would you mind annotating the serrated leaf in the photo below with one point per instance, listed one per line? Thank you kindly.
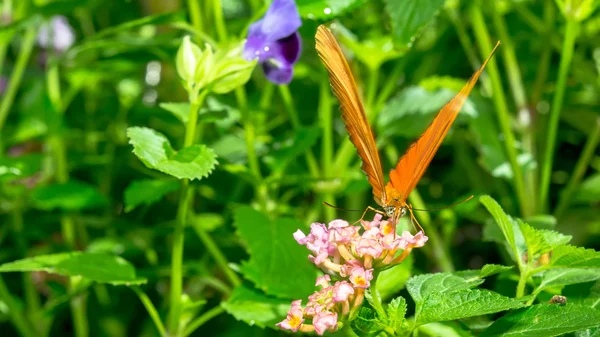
(147, 192)
(155, 151)
(422, 286)
(70, 196)
(101, 268)
(592, 332)
(396, 311)
(255, 308)
(391, 281)
(375, 305)
(505, 223)
(574, 257)
(325, 9)
(366, 323)
(565, 276)
(544, 320)
(440, 307)
(587, 294)
(540, 241)
(409, 17)
(273, 251)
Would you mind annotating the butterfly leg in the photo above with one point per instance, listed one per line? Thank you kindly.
(413, 219)
(369, 208)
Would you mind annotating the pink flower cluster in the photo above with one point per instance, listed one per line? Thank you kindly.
(349, 253)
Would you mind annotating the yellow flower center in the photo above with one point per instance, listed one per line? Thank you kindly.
(295, 322)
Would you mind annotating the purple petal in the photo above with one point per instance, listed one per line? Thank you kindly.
(281, 20)
(56, 34)
(287, 50)
(276, 74)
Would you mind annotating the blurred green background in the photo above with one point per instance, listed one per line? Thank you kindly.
(527, 136)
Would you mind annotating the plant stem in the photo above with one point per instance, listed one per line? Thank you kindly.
(195, 15)
(522, 283)
(151, 310)
(78, 310)
(518, 90)
(504, 118)
(219, 257)
(571, 33)
(198, 322)
(326, 121)
(185, 201)
(219, 20)
(14, 81)
(16, 314)
(286, 96)
(580, 167)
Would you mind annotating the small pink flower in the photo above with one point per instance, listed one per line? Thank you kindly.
(361, 278)
(318, 260)
(371, 224)
(342, 234)
(418, 240)
(338, 224)
(370, 247)
(341, 291)
(323, 281)
(294, 318)
(318, 239)
(387, 227)
(392, 241)
(325, 320)
(346, 269)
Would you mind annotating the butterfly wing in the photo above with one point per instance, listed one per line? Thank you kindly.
(415, 161)
(353, 112)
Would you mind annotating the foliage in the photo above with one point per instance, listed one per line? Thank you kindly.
(153, 179)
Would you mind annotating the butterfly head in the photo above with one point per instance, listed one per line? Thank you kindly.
(395, 212)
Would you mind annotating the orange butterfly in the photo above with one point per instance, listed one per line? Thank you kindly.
(411, 167)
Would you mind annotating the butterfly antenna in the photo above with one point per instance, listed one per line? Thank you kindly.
(341, 209)
(413, 219)
(440, 208)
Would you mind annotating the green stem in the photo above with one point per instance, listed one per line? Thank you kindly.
(518, 90)
(579, 171)
(217, 255)
(78, 310)
(522, 283)
(14, 81)
(195, 15)
(151, 311)
(16, 314)
(559, 92)
(198, 322)
(185, 201)
(288, 102)
(219, 20)
(326, 121)
(546, 56)
(372, 88)
(483, 38)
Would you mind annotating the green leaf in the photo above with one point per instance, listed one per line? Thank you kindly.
(440, 307)
(325, 9)
(544, 320)
(505, 223)
(155, 151)
(574, 257)
(396, 311)
(415, 108)
(409, 17)
(101, 268)
(12, 168)
(366, 322)
(587, 294)
(147, 192)
(592, 332)
(443, 329)
(179, 110)
(70, 196)
(422, 286)
(254, 308)
(492, 269)
(540, 241)
(281, 263)
(231, 73)
(208, 221)
(391, 281)
(565, 276)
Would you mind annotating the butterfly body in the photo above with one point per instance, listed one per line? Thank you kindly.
(393, 196)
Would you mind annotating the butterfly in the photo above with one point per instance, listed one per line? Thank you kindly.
(392, 197)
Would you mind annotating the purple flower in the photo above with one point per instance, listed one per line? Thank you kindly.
(56, 34)
(275, 41)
